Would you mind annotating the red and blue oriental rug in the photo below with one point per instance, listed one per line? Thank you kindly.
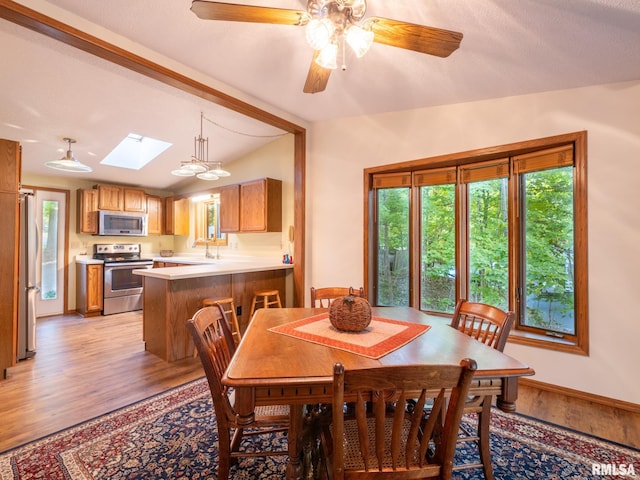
(173, 436)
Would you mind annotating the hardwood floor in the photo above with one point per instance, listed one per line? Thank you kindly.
(84, 367)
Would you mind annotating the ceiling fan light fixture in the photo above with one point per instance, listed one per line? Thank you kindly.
(319, 33)
(68, 163)
(359, 39)
(328, 57)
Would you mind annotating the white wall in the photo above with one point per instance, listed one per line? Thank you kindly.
(340, 149)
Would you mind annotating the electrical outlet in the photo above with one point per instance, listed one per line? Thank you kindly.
(238, 310)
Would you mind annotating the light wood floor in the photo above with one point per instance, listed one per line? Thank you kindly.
(84, 367)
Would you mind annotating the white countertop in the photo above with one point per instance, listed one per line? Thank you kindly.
(87, 259)
(206, 267)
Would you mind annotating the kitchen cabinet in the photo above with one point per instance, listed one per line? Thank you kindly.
(261, 206)
(155, 220)
(176, 216)
(89, 288)
(230, 208)
(87, 211)
(113, 197)
(10, 167)
(135, 200)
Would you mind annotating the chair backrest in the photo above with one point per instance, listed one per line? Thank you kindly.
(213, 340)
(486, 323)
(322, 297)
(391, 438)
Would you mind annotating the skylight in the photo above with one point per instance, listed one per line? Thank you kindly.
(135, 151)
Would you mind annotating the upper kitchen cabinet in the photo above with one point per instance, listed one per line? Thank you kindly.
(154, 215)
(113, 197)
(230, 209)
(260, 206)
(176, 216)
(88, 211)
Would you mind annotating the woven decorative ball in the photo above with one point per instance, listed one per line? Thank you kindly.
(350, 313)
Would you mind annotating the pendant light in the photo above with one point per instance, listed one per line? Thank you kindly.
(68, 163)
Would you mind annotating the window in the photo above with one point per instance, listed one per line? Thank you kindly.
(207, 220)
(392, 233)
(506, 228)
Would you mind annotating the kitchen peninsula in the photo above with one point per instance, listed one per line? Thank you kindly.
(171, 295)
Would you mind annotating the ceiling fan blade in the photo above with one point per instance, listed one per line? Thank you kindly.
(317, 77)
(429, 40)
(248, 13)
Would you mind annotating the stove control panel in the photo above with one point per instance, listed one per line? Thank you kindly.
(117, 248)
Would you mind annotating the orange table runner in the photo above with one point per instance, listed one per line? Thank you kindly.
(381, 337)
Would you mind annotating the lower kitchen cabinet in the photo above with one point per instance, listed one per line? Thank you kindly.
(89, 288)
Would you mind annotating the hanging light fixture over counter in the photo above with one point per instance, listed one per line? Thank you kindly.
(69, 163)
(199, 164)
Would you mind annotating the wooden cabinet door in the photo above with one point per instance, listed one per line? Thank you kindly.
(154, 215)
(110, 197)
(253, 206)
(230, 209)
(261, 206)
(87, 211)
(168, 215)
(94, 288)
(181, 216)
(135, 200)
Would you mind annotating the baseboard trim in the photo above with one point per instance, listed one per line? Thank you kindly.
(589, 397)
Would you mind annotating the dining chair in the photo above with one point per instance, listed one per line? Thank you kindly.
(383, 439)
(322, 297)
(229, 307)
(491, 326)
(213, 340)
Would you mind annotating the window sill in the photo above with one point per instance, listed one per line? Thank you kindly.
(549, 343)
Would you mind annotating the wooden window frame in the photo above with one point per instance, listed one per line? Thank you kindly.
(578, 344)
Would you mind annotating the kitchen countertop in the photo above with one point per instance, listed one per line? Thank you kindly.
(87, 259)
(205, 267)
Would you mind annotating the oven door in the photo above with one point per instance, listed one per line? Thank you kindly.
(120, 281)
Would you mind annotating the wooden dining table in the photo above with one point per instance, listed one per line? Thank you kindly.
(271, 368)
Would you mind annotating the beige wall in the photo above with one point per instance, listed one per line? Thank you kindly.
(340, 149)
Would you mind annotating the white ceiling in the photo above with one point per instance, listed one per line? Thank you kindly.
(509, 48)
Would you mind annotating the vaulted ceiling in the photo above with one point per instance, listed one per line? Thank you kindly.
(49, 90)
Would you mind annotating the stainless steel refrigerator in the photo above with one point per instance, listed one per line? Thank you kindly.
(27, 288)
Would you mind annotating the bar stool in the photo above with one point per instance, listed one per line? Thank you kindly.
(230, 311)
(264, 299)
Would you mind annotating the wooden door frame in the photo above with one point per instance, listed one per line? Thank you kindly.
(65, 283)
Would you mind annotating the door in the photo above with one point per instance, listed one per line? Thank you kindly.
(51, 215)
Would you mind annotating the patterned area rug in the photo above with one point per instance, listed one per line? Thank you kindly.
(173, 436)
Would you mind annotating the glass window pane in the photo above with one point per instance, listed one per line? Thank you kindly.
(49, 247)
(489, 243)
(548, 299)
(438, 243)
(393, 247)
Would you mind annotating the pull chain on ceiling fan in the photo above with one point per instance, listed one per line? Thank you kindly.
(333, 23)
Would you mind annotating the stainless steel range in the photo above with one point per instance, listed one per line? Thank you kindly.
(122, 289)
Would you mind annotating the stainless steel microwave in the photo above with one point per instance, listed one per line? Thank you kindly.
(122, 223)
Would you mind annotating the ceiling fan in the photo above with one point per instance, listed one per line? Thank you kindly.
(333, 24)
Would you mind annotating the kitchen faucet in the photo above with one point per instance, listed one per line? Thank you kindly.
(207, 254)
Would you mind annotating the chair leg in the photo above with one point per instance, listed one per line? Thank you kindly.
(224, 451)
(484, 420)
